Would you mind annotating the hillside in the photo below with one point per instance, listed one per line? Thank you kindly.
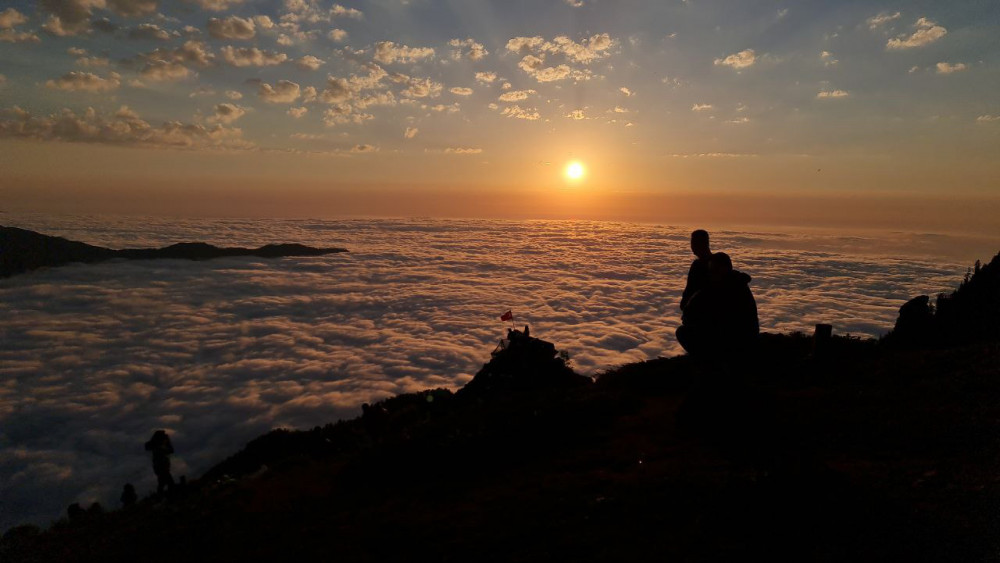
(861, 450)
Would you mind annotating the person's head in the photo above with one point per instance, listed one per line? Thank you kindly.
(720, 265)
(699, 244)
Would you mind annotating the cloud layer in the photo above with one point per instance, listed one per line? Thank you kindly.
(96, 357)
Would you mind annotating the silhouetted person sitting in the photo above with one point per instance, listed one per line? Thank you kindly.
(129, 497)
(161, 447)
(722, 317)
(698, 273)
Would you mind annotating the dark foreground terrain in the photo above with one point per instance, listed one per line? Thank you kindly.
(22, 250)
(852, 451)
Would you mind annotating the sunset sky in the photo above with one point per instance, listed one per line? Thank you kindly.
(446, 107)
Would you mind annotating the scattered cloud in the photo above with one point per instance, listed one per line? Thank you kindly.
(927, 32)
(876, 22)
(251, 56)
(460, 91)
(701, 107)
(832, 94)
(93, 62)
(828, 58)
(628, 93)
(467, 48)
(574, 3)
(123, 128)
(232, 27)
(13, 36)
(337, 35)
(422, 88)
(298, 112)
(463, 150)
(151, 31)
(987, 118)
(85, 82)
(536, 50)
(744, 59)
(234, 95)
(410, 132)
(164, 71)
(486, 77)
(518, 112)
(216, 5)
(310, 62)
(284, 92)
(227, 113)
(365, 148)
(11, 18)
(949, 68)
(388, 52)
(516, 95)
(590, 49)
(576, 115)
(338, 11)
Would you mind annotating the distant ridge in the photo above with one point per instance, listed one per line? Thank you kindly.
(22, 250)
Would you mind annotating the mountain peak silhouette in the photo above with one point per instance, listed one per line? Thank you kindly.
(22, 250)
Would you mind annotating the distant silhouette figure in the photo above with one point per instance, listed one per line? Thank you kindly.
(129, 497)
(698, 272)
(722, 317)
(161, 448)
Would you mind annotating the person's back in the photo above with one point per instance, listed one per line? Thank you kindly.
(697, 278)
(722, 317)
(738, 324)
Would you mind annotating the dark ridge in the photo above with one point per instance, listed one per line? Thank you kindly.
(22, 250)
(971, 313)
(854, 451)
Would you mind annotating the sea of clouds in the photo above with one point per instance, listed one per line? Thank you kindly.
(94, 358)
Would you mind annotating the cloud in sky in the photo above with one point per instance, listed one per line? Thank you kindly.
(284, 92)
(832, 94)
(387, 52)
(876, 22)
(220, 351)
(227, 113)
(124, 127)
(927, 32)
(11, 18)
(467, 48)
(232, 27)
(949, 68)
(744, 59)
(430, 54)
(85, 82)
(252, 56)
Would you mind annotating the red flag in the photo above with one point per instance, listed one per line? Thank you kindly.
(508, 316)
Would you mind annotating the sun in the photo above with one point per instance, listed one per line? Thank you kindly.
(575, 170)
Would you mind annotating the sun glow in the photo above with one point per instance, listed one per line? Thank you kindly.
(575, 170)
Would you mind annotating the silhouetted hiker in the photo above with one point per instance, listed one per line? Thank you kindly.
(722, 317)
(129, 497)
(161, 447)
(698, 272)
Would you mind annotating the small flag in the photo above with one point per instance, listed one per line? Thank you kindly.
(508, 316)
